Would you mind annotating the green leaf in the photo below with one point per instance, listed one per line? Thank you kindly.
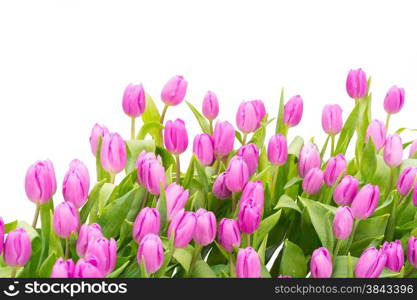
(10, 226)
(239, 137)
(280, 127)
(101, 173)
(368, 163)
(162, 207)
(167, 159)
(184, 256)
(46, 221)
(47, 265)
(371, 228)
(134, 148)
(258, 137)
(265, 227)
(342, 266)
(149, 128)
(202, 176)
(204, 125)
(202, 270)
(293, 262)
(347, 132)
(190, 173)
(287, 202)
(116, 273)
(295, 146)
(293, 181)
(382, 175)
(92, 198)
(151, 114)
(262, 249)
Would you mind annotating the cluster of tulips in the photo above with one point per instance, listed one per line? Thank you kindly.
(301, 211)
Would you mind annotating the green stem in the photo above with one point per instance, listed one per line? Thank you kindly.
(197, 250)
(352, 235)
(274, 181)
(389, 235)
(333, 142)
(13, 272)
(164, 111)
(409, 273)
(66, 248)
(232, 266)
(112, 178)
(248, 240)
(178, 169)
(336, 249)
(245, 135)
(36, 216)
(387, 122)
(132, 128)
(211, 127)
(145, 199)
(234, 203)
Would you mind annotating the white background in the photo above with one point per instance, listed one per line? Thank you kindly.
(64, 66)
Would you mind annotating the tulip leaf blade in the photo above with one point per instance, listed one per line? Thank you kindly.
(148, 128)
(265, 227)
(347, 132)
(10, 226)
(342, 266)
(280, 126)
(286, 201)
(46, 267)
(151, 114)
(202, 270)
(204, 125)
(92, 198)
(293, 262)
(134, 148)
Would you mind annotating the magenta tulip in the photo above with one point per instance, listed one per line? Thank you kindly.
(412, 251)
(371, 263)
(223, 138)
(250, 155)
(249, 216)
(237, 174)
(134, 100)
(254, 190)
(17, 248)
(413, 149)
(210, 106)
(309, 159)
(313, 181)
(97, 132)
(174, 91)
(393, 151)
(395, 255)
(76, 184)
(147, 221)
(356, 84)
(331, 119)
(40, 182)
(220, 189)
(321, 263)
(66, 219)
(394, 100)
(183, 228)
(63, 269)
(104, 251)
(406, 180)
(85, 236)
(151, 174)
(205, 228)
(248, 263)
(87, 268)
(113, 153)
(377, 131)
(175, 136)
(151, 251)
(176, 198)
(203, 148)
(277, 149)
(365, 202)
(335, 167)
(247, 119)
(229, 234)
(1, 235)
(343, 222)
(346, 190)
(293, 111)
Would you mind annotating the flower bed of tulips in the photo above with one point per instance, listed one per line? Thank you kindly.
(244, 202)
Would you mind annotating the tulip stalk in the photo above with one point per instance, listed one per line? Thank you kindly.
(164, 111)
(178, 168)
(387, 121)
(36, 216)
(13, 272)
(132, 128)
(332, 138)
(352, 234)
(196, 254)
(232, 266)
(67, 242)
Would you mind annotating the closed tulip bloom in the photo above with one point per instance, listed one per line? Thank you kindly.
(237, 174)
(85, 236)
(395, 255)
(205, 228)
(174, 91)
(414, 195)
(210, 106)
(147, 221)
(113, 153)
(356, 84)
(183, 228)
(260, 109)
(331, 119)
(250, 155)
(377, 131)
(413, 149)
(229, 234)
(17, 248)
(246, 118)
(151, 251)
(249, 216)
(1, 235)
(277, 149)
(151, 174)
(140, 164)
(394, 100)
(40, 182)
(406, 180)
(175, 136)
(335, 166)
(321, 263)
(309, 159)
(66, 219)
(365, 202)
(104, 251)
(134, 100)
(313, 181)
(176, 198)
(63, 269)
(346, 190)
(343, 222)
(76, 184)
(203, 148)
(223, 138)
(254, 190)
(220, 189)
(293, 111)
(412, 251)
(97, 132)
(87, 268)
(393, 151)
(248, 263)
(371, 263)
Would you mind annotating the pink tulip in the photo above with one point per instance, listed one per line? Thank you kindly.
(175, 136)
(210, 106)
(66, 219)
(134, 100)
(40, 182)
(76, 184)
(113, 153)
(17, 248)
(174, 91)
(356, 84)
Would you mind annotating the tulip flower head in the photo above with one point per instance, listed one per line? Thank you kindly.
(147, 221)
(76, 184)
(134, 100)
(203, 148)
(63, 269)
(17, 248)
(293, 111)
(210, 106)
(277, 149)
(394, 100)
(321, 263)
(183, 228)
(250, 155)
(229, 234)
(395, 255)
(365, 201)
(331, 119)
(151, 251)
(175, 136)
(356, 84)
(346, 190)
(205, 228)
(40, 182)
(371, 263)
(343, 222)
(66, 219)
(174, 91)
(248, 263)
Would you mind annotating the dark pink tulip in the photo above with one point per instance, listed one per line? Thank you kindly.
(321, 263)
(247, 118)
(17, 248)
(414, 195)
(174, 91)
(365, 201)
(309, 158)
(203, 148)
(183, 228)
(176, 198)
(85, 236)
(395, 255)
(210, 106)
(412, 251)
(104, 251)
(248, 263)
(140, 163)
(331, 119)
(313, 181)
(277, 149)
(335, 167)
(293, 111)
(250, 155)
(394, 100)
(87, 268)
(76, 184)
(220, 189)
(406, 180)
(1, 235)
(151, 174)
(147, 221)
(371, 263)
(249, 216)
(260, 109)
(223, 138)
(40, 182)
(377, 131)
(393, 151)
(151, 251)
(134, 100)
(113, 153)
(175, 136)
(413, 149)
(346, 190)
(66, 219)
(63, 268)
(205, 228)
(97, 132)
(356, 84)
(237, 174)
(229, 234)
(254, 190)
(343, 222)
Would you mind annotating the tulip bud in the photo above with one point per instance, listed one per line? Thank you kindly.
(247, 119)
(365, 202)
(210, 106)
(63, 269)
(414, 195)
(412, 251)
(393, 151)
(142, 159)
(224, 138)
(293, 111)
(151, 175)
(346, 190)
(1, 235)
(97, 132)
(260, 109)
(104, 251)
(277, 149)
(174, 91)
(331, 119)
(254, 190)
(356, 84)
(66, 219)
(147, 221)
(406, 180)
(335, 167)
(229, 234)
(175, 136)
(40, 182)
(313, 181)
(205, 228)
(413, 149)
(151, 250)
(203, 148)
(17, 248)
(237, 174)
(134, 100)
(76, 184)
(249, 216)
(220, 189)
(85, 236)
(113, 153)
(87, 268)
(250, 155)
(395, 255)
(371, 263)
(377, 131)
(309, 158)
(183, 227)
(176, 198)
(248, 263)
(343, 222)
(321, 263)
(394, 100)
